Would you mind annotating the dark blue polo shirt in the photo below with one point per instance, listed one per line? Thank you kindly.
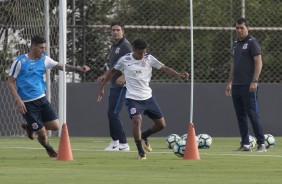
(117, 51)
(244, 65)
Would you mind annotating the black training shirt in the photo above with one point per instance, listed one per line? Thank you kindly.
(244, 65)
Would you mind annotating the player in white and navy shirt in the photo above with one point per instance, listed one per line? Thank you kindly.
(137, 68)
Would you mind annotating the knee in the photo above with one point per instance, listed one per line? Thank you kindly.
(163, 125)
(137, 121)
(52, 125)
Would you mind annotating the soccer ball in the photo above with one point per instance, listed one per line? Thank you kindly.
(205, 141)
(171, 140)
(184, 137)
(252, 141)
(269, 141)
(179, 148)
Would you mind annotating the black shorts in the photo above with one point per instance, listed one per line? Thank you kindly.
(38, 112)
(147, 107)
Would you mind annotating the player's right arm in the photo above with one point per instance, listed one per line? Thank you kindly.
(13, 90)
(107, 76)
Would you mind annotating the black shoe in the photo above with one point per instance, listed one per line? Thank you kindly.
(243, 148)
(28, 132)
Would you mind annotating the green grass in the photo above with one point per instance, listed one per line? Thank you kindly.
(24, 161)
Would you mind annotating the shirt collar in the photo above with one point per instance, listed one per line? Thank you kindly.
(246, 38)
(121, 40)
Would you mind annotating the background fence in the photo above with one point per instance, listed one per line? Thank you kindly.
(163, 23)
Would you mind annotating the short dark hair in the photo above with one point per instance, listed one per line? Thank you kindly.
(242, 20)
(139, 44)
(117, 23)
(38, 40)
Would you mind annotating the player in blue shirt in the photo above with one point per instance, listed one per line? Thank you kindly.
(27, 86)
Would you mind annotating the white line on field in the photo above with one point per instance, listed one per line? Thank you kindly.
(156, 152)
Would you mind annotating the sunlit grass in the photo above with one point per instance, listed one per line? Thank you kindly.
(24, 161)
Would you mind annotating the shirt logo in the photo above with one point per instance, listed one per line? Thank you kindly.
(127, 58)
(245, 46)
(117, 50)
(143, 63)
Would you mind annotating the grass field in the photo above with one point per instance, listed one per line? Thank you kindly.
(25, 162)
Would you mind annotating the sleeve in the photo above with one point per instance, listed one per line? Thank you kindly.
(50, 63)
(15, 68)
(119, 64)
(126, 49)
(155, 63)
(255, 48)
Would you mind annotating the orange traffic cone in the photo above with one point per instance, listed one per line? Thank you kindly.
(191, 147)
(64, 151)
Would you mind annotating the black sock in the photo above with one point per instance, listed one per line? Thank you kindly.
(139, 147)
(48, 147)
(146, 134)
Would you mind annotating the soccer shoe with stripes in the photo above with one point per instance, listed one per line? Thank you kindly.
(28, 132)
(147, 146)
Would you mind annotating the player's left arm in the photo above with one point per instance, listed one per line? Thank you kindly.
(172, 72)
(108, 75)
(258, 67)
(257, 71)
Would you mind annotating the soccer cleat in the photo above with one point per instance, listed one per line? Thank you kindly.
(261, 148)
(123, 147)
(147, 146)
(113, 146)
(244, 148)
(28, 132)
(142, 157)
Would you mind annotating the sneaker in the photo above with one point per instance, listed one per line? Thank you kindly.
(51, 152)
(261, 148)
(147, 146)
(28, 132)
(142, 157)
(123, 147)
(244, 148)
(113, 146)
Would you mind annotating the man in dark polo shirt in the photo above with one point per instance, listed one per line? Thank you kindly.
(243, 85)
(119, 48)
